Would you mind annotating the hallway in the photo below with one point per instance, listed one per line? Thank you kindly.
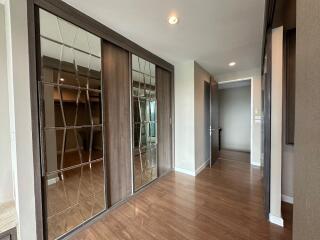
(225, 202)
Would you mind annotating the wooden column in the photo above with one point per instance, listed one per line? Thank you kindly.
(163, 82)
(116, 79)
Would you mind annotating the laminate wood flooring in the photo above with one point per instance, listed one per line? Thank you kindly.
(221, 203)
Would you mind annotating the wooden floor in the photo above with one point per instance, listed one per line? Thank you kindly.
(225, 202)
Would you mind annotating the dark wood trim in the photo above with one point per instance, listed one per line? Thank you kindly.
(266, 140)
(157, 96)
(172, 121)
(268, 20)
(80, 19)
(131, 123)
(33, 27)
(270, 6)
(289, 82)
(104, 130)
(164, 120)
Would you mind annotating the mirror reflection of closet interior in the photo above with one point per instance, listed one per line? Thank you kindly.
(71, 124)
(144, 121)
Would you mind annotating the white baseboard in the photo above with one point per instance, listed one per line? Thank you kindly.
(193, 173)
(53, 181)
(287, 199)
(203, 166)
(185, 171)
(276, 220)
(257, 164)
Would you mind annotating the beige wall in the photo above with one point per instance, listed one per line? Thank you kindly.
(200, 131)
(6, 181)
(306, 212)
(256, 158)
(190, 130)
(184, 117)
(276, 126)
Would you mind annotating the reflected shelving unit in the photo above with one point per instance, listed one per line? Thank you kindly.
(144, 110)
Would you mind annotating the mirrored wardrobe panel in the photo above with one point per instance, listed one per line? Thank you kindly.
(71, 124)
(144, 110)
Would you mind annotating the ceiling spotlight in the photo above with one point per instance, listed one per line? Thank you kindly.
(173, 20)
(232, 64)
(61, 79)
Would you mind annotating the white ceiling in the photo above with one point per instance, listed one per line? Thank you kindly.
(211, 32)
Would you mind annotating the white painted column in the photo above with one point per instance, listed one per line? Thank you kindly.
(276, 126)
(6, 181)
(184, 118)
(255, 156)
(20, 116)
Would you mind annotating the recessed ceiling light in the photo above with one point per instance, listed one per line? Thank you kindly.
(232, 64)
(62, 79)
(173, 20)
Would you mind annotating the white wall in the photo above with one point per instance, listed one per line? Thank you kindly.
(255, 75)
(256, 158)
(202, 154)
(276, 126)
(6, 181)
(184, 118)
(234, 118)
(20, 116)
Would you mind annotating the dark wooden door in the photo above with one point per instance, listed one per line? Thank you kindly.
(163, 83)
(290, 73)
(214, 121)
(117, 121)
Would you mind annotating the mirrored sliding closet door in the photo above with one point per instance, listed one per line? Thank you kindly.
(144, 110)
(71, 122)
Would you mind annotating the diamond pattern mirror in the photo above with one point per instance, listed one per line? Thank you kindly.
(145, 122)
(71, 124)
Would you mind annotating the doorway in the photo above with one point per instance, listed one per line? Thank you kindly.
(235, 115)
(207, 119)
(211, 121)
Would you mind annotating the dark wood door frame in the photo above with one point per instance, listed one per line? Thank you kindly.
(266, 140)
(162, 113)
(277, 13)
(266, 72)
(214, 122)
(268, 21)
(70, 14)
